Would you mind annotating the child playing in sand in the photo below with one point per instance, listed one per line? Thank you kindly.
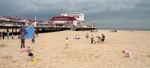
(127, 53)
(31, 55)
(66, 43)
(103, 38)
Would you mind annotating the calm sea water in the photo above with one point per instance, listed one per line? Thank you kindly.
(124, 26)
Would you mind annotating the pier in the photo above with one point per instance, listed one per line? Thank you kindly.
(15, 29)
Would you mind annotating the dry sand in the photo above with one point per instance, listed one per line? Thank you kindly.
(50, 53)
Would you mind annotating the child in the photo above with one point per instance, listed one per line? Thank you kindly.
(103, 38)
(31, 55)
(99, 39)
(126, 53)
(66, 43)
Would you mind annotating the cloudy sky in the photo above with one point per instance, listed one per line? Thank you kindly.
(108, 13)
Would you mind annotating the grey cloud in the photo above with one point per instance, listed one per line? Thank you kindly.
(95, 10)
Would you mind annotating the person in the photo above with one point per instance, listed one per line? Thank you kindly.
(103, 38)
(3, 34)
(22, 42)
(92, 39)
(31, 55)
(22, 33)
(86, 36)
(66, 45)
(12, 36)
(77, 37)
(99, 39)
(126, 53)
(8, 34)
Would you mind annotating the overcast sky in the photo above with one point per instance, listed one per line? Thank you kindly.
(104, 12)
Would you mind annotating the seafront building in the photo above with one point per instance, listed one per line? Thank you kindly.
(71, 20)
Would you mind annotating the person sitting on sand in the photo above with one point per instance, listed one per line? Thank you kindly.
(103, 38)
(92, 39)
(99, 39)
(77, 37)
(31, 55)
(126, 53)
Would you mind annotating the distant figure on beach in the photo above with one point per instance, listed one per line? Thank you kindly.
(126, 53)
(66, 45)
(92, 39)
(12, 36)
(99, 39)
(3, 34)
(103, 38)
(87, 36)
(8, 34)
(77, 37)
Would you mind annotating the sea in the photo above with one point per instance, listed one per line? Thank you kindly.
(137, 27)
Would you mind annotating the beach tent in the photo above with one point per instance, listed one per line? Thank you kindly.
(30, 32)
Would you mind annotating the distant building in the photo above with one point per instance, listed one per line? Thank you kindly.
(68, 20)
(77, 15)
(11, 21)
(64, 21)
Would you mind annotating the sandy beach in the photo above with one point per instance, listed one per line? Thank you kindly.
(50, 53)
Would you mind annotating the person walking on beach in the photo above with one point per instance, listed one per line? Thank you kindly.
(66, 45)
(103, 38)
(3, 34)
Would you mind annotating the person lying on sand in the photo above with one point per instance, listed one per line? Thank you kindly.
(126, 53)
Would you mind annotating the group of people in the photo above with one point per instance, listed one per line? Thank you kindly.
(7, 34)
(93, 39)
(26, 48)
